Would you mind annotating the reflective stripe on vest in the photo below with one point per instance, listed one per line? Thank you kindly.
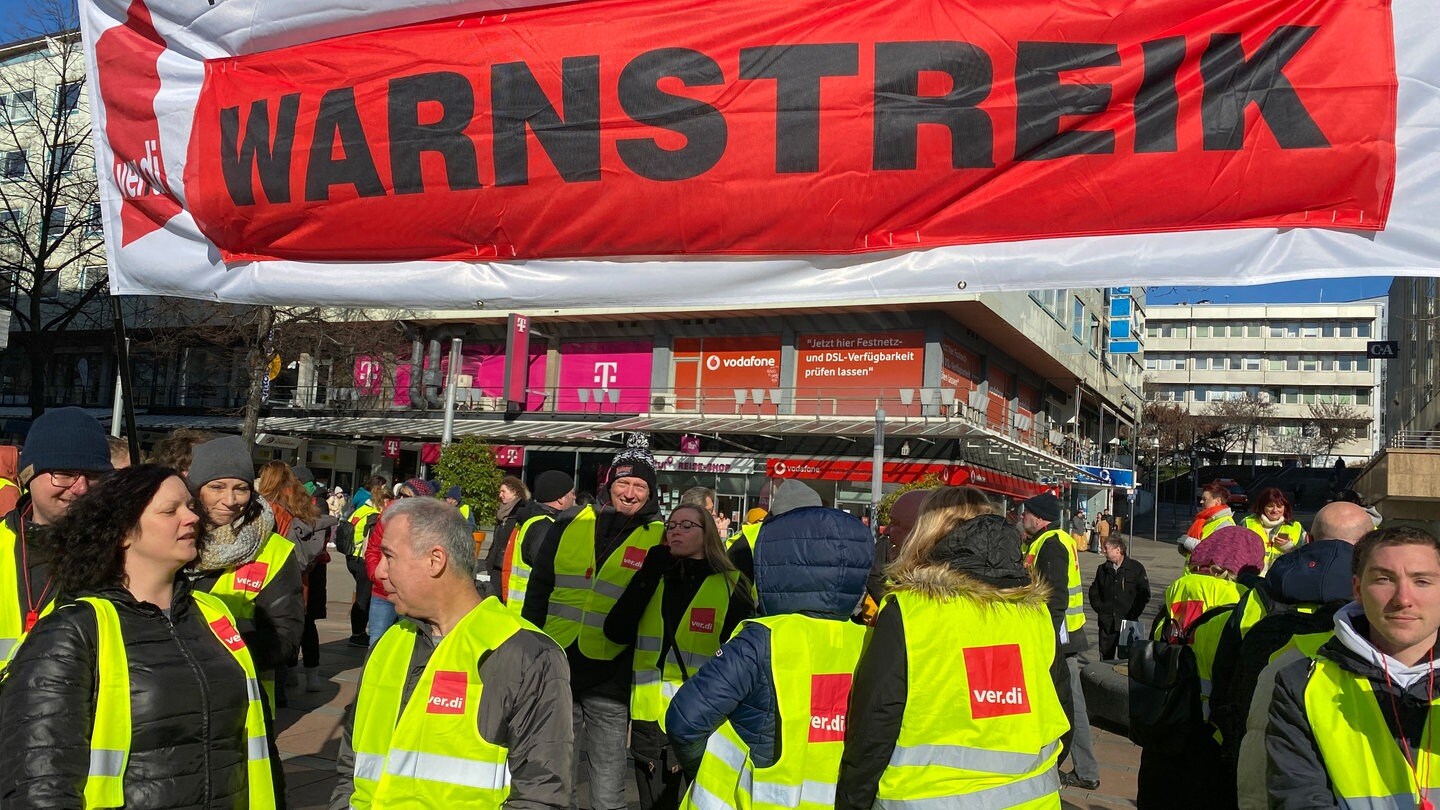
(982, 724)
(519, 578)
(1075, 606)
(812, 662)
(1218, 521)
(1205, 641)
(696, 639)
(12, 622)
(585, 589)
(1366, 766)
(357, 519)
(110, 736)
(427, 753)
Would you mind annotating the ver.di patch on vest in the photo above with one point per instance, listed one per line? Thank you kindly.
(997, 681)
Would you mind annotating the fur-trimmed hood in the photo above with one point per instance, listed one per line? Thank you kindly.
(941, 582)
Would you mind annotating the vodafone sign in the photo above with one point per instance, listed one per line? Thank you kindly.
(712, 368)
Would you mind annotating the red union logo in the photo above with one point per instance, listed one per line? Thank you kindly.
(997, 681)
(251, 578)
(829, 700)
(128, 85)
(447, 693)
(702, 620)
(228, 635)
(633, 559)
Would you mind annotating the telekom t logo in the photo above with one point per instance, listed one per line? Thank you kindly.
(606, 372)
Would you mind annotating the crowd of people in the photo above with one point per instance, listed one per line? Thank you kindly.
(154, 614)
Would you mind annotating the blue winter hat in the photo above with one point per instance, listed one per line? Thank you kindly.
(64, 439)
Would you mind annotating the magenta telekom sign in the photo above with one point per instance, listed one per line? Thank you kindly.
(619, 372)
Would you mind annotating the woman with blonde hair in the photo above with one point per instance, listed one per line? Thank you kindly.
(962, 660)
(683, 603)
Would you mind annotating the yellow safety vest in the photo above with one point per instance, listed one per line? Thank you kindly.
(696, 640)
(982, 724)
(583, 596)
(1292, 531)
(110, 736)
(748, 534)
(428, 753)
(464, 510)
(239, 587)
(357, 519)
(1205, 642)
(812, 663)
(1191, 595)
(1075, 607)
(1365, 764)
(519, 579)
(12, 622)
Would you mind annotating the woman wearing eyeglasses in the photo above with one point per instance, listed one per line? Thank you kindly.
(683, 603)
(135, 690)
(243, 561)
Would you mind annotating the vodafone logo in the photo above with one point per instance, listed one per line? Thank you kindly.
(997, 681)
(228, 635)
(447, 693)
(251, 578)
(829, 701)
(633, 559)
(778, 469)
(715, 362)
(702, 620)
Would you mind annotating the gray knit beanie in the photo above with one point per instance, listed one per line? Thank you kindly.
(226, 457)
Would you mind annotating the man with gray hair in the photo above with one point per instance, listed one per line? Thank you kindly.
(456, 665)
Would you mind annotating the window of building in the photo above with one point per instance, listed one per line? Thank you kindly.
(1202, 363)
(1251, 363)
(14, 164)
(1328, 329)
(1096, 338)
(1362, 396)
(1362, 329)
(1310, 330)
(18, 106)
(1077, 320)
(1277, 364)
(1254, 330)
(1292, 362)
(1362, 363)
(1309, 362)
(67, 98)
(1203, 330)
(61, 159)
(1152, 331)
(1277, 330)
(1326, 363)
(92, 221)
(9, 227)
(1290, 396)
(55, 225)
(1292, 329)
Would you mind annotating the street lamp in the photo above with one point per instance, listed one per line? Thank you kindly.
(1155, 529)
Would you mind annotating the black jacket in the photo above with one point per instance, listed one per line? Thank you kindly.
(1121, 593)
(1295, 774)
(188, 702)
(610, 678)
(495, 557)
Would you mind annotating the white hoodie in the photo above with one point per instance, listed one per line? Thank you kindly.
(1357, 643)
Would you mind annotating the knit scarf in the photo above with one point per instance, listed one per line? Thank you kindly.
(234, 544)
(505, 510)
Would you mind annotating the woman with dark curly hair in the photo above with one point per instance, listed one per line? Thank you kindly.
(135, 690)
(242, 560)
(1273, 519)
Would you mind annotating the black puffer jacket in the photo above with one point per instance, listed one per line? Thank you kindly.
(187, 697)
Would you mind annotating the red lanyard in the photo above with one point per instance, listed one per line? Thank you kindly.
(1422, 786)
(32, 607)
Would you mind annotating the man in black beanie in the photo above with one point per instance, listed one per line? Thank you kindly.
(583, 566)
(65, 451)
(1052, 556)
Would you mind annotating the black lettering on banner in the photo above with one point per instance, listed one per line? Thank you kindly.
(1157, 102)
(1042, 100)
(1232, 82)
(572, 142)
(241, 156)
(702, 125)
(797, 70)
(409, 138)
(337, 118)
(900, 109)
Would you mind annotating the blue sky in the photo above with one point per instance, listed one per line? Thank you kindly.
(1286, 292)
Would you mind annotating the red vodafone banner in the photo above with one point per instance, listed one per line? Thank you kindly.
(512, 156)
(666, 127)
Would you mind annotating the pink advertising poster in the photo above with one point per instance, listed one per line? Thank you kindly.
(485, 365)
(622, 366)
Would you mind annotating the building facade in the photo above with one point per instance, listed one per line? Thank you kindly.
(1307, 362)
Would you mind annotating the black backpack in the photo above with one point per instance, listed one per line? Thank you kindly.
(1165, 688)
(345, 538)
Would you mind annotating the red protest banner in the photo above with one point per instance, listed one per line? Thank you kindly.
(657, 127)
